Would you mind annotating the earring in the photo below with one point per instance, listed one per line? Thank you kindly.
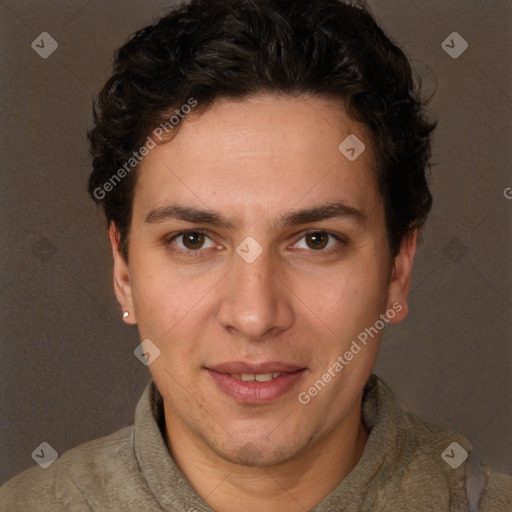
(126, 314)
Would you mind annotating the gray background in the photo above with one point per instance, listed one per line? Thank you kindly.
(68, 369)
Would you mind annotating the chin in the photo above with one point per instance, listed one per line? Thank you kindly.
(259, 453)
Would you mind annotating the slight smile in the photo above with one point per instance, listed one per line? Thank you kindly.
(256, 384)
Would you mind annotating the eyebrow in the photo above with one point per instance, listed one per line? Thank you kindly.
(189, 214)
(338, 209)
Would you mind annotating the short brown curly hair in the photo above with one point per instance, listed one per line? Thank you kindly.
(211, 49)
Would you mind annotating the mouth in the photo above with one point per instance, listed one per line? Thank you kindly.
(256, 377)
(256, 384)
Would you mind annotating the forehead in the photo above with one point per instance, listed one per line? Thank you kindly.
(266, 154)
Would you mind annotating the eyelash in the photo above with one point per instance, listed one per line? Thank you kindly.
(342, 241)
(199, 253)
(189, 253)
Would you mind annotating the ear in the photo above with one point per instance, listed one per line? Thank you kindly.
(122, 281)
(400, 284)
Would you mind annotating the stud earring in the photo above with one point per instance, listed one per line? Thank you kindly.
(126, 314)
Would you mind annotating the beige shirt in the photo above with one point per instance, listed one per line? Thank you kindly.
(401, 469)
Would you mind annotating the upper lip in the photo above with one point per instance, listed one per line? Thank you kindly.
(238, 367)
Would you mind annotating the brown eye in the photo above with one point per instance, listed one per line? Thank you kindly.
(317, 240)
(191, 243)
(193, 240)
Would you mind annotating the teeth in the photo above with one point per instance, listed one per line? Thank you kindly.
(263, 377)
(260, 377)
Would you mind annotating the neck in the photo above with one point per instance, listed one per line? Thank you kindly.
(296, 485)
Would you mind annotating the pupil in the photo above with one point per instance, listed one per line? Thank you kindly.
(194, 240)
(317, 240)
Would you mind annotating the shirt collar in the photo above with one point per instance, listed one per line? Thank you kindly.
(169, 486)
(173, 491)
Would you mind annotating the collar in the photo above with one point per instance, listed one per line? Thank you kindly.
(389, 446)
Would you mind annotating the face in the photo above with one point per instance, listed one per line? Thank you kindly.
(258, 251)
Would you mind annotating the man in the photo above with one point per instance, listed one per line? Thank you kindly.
(261, 164)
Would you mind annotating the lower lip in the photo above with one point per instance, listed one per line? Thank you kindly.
(256, 392)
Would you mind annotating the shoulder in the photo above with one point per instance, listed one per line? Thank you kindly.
(433, 464)
(91, 466)
(436, 464)
(419, 446)
(497, 493)
(420, 464)
(445, 456)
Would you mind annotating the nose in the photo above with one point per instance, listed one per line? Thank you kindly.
(255, 303)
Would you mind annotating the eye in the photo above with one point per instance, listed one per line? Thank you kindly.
(318, 241)
(192, 241)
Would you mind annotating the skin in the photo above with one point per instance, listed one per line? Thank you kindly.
(252, 162)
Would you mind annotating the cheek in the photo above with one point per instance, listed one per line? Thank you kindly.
(346, 301)
(165, 301)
